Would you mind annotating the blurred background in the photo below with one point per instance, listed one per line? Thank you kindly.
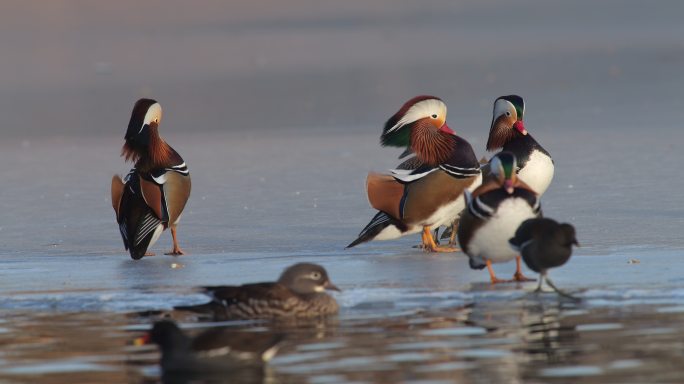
(74, 66)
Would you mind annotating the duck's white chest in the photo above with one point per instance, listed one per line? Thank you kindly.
(490, 241)
(392, 232)
(538, 172)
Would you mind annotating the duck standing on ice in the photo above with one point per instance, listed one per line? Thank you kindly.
(152, 196)
(508, 133)
(411, 201)
(495, 211)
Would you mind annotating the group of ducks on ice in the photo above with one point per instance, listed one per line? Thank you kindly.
(492, 210)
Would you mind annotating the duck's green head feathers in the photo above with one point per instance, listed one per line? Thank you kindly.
(397, 130)
(507, 121)
(504, 165)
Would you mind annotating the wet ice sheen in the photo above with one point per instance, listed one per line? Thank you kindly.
(598, 327)
(57, 366)
(580, 370)
(462, 331)
(412, 331)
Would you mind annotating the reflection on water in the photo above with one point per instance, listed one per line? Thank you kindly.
(497, 339)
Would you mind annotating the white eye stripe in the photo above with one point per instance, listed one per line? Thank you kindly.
(153, 114)
(496, 166)
(420, 110)
(502, 107)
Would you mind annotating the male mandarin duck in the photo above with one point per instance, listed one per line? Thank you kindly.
(494, 212)
(415, 200)
(298, 293)
(544, 244)
(152, 196)
(508, 133)
(420, 126)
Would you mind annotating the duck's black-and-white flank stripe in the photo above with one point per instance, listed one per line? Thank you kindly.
(180, 168)
(477, 208)
(405, 176)
(159, 176)
(459, 172)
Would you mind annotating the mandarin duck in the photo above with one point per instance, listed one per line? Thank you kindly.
(494, 212)
(508, 133)
(428, 193)
(298, 293)
(152, 196)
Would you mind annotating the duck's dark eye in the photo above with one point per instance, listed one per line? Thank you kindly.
(434, 116)
(315, 276)
(508, 113)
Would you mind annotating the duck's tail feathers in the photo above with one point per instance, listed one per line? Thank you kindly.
(379, 222)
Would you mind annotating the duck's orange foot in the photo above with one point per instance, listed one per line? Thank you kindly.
(175, 252)
(519, 277)
(149, 254)
(496, 280)
(441, 249)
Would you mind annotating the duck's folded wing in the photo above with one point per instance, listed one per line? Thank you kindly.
(166, 191)
(154, 197)
(137, 222)
(409, 176)
(246, 301)
(385, 193)
(117, 192)
(249, 293)
(176, 192)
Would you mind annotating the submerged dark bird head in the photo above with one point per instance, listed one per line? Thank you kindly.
(306, 278)
(213, 351)
(166, 335)
(507, 121)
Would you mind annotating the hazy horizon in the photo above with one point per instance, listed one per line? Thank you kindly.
(77, 67)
